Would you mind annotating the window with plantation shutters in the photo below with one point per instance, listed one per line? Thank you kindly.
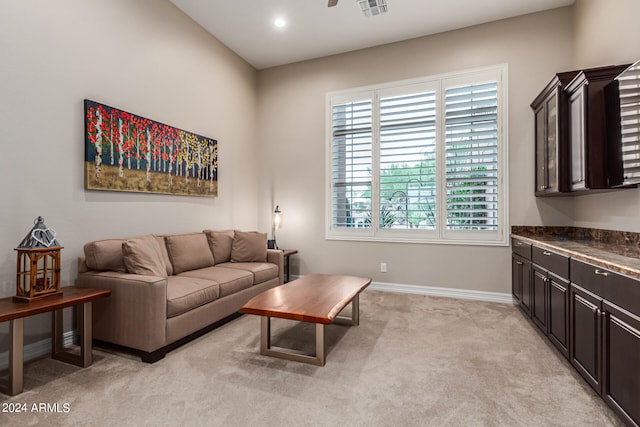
(407, 161)
(419, 160)
(471, 129)
(351, 164)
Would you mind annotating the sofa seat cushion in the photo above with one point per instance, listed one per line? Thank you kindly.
(262, 271)
(230, 280)
(187, 293)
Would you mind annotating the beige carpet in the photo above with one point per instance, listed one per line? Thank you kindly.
(413, 361)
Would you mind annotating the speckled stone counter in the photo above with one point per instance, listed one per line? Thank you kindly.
(616, 250)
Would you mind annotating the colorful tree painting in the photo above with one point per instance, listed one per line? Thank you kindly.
(126, 152)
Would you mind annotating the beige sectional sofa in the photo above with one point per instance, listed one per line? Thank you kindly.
(168, 289)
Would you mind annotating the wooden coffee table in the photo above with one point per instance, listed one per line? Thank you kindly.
(314, 298)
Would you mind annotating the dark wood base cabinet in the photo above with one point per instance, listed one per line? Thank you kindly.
(550, 300)
(605, 350)
(605, 335)
(593, 319)
(586, 330)
(621, 362)
(559, 313)
(521, 275)
(539, 300)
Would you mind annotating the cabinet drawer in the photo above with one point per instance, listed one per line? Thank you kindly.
(615, 287)
(521, 248)
(552, 261)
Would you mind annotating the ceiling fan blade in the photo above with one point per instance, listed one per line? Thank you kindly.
(332, 3)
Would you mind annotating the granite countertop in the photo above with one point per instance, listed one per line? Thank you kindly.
(614, 250)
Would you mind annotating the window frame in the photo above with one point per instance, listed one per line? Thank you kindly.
(440, 234)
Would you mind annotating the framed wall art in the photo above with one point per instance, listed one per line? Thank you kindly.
(126, 152)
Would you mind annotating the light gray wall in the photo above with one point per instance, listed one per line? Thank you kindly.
(606, 33)
(291, 127)
(142, 56)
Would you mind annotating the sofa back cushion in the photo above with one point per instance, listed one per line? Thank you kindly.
(105, 254)
(142, 255)
(220, 242)
(249, 246)
(188, 252)
(165, 255)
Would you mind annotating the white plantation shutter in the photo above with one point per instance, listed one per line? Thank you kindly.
(421, 160)
(472, 156)
(407, 160)
(351, 164)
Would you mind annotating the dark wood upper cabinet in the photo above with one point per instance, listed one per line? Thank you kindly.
(581, 142)
(551, 135)
(590, 148)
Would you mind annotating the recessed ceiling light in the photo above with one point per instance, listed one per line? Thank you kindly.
(280, 22)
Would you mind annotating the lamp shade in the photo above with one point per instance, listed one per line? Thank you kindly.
(277, 218)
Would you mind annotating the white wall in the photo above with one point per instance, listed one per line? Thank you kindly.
(607, 33)
(291, 126)
(142, 56)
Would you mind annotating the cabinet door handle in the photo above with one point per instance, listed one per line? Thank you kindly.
(543, 187)
(546, 253)
(519, 244)
(601, 273)
(519, 262)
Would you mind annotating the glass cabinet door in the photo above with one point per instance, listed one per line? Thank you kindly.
(552, 142)
(577, 141)
(541, 157)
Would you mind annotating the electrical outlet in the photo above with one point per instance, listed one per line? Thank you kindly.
(383, 267)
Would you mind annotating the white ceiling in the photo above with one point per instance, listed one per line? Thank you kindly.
(314, 30)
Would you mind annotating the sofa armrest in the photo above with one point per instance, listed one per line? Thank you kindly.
(135, 315)
(276, 256)
(82, 264)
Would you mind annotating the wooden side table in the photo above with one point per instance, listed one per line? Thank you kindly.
(15, 312)
(287, 253)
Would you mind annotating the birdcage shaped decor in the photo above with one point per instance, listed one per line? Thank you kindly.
(38, 264)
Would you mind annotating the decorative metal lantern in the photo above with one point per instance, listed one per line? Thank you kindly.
(38, 266)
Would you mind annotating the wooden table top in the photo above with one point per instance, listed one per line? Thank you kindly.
(315, 298)
(71, 295)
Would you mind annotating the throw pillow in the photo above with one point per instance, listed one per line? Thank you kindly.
(249, 246)
(165, 255)
(103, 255)
(188, 252)
(220, 242)
(142, 255)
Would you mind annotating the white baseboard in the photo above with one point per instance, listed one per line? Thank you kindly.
(439, 292)
(37, 349)
(443, 292)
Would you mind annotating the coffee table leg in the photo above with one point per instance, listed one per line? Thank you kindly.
(320, 348)
(354, 320)
(289, 354)
(265, 334)
(16, 358)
